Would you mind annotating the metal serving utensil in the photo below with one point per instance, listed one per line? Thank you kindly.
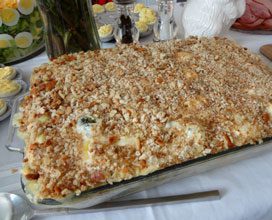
(14, 207)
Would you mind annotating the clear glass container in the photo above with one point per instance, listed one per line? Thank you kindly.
(69, 26)
(125, 31)
(165, 28)
(21, 30)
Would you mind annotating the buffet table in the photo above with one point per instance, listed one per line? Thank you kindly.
(245, 186)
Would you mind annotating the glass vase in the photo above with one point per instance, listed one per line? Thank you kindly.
(125, 31)
(69, 26)
(165, 28)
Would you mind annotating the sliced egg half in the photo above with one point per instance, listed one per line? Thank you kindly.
(23, 39)
(10, 16)
(97, 9)
(26, 7)
(5, 40)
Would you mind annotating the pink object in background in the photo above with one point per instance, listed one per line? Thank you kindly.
(258, 16)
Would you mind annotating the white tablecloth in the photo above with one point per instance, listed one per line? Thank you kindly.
(246, 186)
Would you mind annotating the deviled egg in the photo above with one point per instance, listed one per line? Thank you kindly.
(110, 6)
(7, 73)
(9, 88)
(148, 16)
(98, 9)
(141, 26)
(138, 7)
(105, 31)
(3, 107)
(147, 11)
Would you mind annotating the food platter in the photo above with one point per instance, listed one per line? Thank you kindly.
(18, 78)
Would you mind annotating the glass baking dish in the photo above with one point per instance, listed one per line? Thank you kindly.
(116, 190)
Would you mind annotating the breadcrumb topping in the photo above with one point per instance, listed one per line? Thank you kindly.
(151, 106)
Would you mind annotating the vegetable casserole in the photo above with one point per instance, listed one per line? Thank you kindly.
(101, 117)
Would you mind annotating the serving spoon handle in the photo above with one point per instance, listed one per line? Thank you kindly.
(125, 204)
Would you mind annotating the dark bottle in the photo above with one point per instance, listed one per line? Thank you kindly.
(126, 26)
(69, 26)
(126, 32)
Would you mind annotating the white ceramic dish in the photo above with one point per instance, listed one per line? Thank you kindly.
(107, 39)
(7, 112)
(148, 32)
(19, 74)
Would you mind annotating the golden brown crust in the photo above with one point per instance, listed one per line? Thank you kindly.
(156, 105)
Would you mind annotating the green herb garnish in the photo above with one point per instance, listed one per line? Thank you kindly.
(88, 120)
